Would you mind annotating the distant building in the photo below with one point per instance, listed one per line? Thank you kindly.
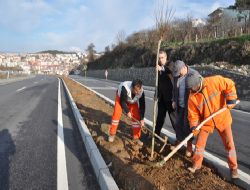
(239, 16)
(44, 63)
(198, 22)
(26, 68)
(226, 19)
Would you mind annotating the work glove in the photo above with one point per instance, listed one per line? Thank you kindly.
(195, 131)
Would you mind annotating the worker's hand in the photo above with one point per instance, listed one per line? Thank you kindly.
(174, 105)
(142, 123)
(129, 115)
(195, 131)
(158, 68)
(231, 106)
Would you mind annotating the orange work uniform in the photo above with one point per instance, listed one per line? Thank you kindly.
(133, 104)
(217, 92)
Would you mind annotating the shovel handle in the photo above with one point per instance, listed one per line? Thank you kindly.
(191, 134)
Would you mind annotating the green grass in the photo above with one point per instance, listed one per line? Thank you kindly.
(240, 39)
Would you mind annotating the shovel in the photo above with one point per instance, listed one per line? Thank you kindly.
(144, 129)
(162, 162)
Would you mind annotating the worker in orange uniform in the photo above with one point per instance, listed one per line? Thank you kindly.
(207, 96)
(130, 99)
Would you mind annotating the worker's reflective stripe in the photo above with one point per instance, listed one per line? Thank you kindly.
(134, 123)
(230, 94)
(213, 95)
(199, 150)
(232, 153)
(115, 122)
(136, 126)
(201, 153)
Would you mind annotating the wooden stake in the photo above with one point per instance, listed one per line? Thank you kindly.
(155, 99)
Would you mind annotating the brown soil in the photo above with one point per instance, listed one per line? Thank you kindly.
(3, 76)
(128, 161)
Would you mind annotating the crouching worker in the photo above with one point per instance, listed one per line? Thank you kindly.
(207, 96)
(130, 99)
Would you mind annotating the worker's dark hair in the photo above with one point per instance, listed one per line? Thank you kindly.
(162, 51)
(136, 82)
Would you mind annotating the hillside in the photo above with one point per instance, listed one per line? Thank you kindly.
(53, 52)
(235, 51)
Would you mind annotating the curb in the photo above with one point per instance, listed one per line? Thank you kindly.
(222, 166)
(103, 175)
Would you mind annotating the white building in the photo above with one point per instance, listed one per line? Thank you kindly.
(26, 67)
(198, 22)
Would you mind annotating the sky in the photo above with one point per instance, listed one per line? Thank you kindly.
(71, 25)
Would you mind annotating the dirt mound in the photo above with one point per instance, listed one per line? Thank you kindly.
(127, 161)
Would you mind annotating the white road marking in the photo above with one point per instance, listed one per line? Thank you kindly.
(35, 82)
(149, 91)
(62, 178)
(20, 89)
(103, 88)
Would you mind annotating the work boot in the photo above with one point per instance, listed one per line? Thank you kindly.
(234, 174)
(172, 147)
(111, 138)
(189, 149)
(138, 141)
(193, 169)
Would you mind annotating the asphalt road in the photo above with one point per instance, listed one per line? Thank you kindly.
(29, 138)
(241, 122)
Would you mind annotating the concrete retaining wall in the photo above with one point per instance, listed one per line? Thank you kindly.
(147, 75)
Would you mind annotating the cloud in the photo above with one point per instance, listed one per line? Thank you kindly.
(74, 24)
(23, 15)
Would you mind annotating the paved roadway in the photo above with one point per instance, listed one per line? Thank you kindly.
(241, 122)
(32, 154)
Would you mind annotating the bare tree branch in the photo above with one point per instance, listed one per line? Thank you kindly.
(164, 14)
(120, 37)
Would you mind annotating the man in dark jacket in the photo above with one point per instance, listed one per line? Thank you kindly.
(180, 103)
(165, 87)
